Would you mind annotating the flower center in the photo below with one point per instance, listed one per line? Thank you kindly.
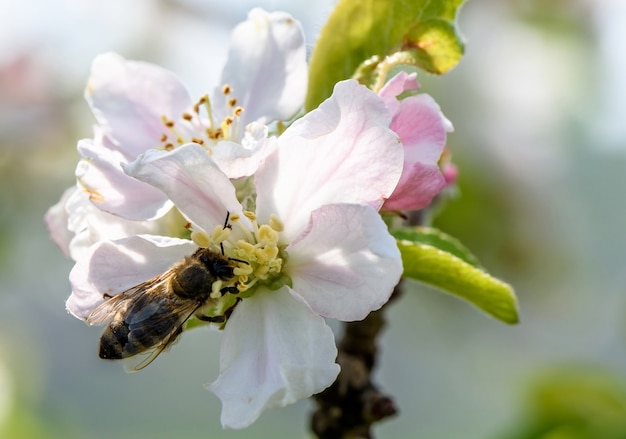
(257, 259)
(204, 129)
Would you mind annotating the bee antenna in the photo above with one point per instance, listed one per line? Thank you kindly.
(225, 227)
(239, 260)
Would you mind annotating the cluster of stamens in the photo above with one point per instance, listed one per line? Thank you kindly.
(257, 259)
(194, 127)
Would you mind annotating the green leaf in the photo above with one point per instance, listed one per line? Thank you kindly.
(450, 273)
(364, 35)
(436, 238)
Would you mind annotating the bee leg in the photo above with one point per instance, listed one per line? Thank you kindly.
(231, 290)
(222, 318)
(212, 319)
(230, 310)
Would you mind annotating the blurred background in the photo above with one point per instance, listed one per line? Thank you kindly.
(540, 140)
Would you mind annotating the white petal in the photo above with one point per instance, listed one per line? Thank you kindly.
(90, 224)
(343, 152)
(346, 263)
(128, 98)
(113, 267)
(266, 67)
(112, 190)
(242, 160)
(192, 181)
(57, 222)
(274, 352)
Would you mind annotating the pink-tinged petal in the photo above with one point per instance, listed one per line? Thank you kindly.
(417, 188)
(450, 173)
(342, 152)
(112, 190)
(266, 67)
(57, 222)
(129, 98)
(193, 182)
(113, 267)
(345, 264)
(274, 352)
(422, 128)
(396, 86)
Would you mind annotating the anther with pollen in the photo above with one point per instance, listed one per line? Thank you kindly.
(191, 127)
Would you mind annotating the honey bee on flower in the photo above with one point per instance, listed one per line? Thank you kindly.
(314, 246)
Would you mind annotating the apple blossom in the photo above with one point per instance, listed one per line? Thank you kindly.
(139, 106)
(313, 247)
(422, 127)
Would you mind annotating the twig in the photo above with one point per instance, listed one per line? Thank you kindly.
(349, 407)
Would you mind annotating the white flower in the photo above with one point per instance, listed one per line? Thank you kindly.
(314, 247)
(140, 106)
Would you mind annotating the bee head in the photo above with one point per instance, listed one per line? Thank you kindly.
(217, 265)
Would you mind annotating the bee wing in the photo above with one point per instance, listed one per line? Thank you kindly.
(162, 325)
(107, 310)
(152, 317)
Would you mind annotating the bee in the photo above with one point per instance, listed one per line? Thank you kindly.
(147, 318)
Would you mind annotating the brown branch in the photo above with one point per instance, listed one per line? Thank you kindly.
(349, 407)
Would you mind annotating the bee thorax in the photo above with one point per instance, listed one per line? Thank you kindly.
(193, 282)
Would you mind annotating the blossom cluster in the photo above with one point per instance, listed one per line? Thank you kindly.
(297, 210)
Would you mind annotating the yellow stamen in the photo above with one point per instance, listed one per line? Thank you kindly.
(267, 234)
(200, 238)
(276, 223)
(220, 234)
(243, 271)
